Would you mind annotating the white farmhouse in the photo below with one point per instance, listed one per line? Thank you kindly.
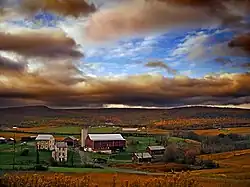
(60, 153)
(45, 142)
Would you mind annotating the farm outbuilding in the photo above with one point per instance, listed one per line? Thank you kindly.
(28, 138)
(130, 129)
(105, 142)
(3, 140)
(141, 157)
(71, 141)
(155, 150)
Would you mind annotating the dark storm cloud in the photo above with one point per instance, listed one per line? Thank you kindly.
(63, 7)
(162, 65)
(147, 90)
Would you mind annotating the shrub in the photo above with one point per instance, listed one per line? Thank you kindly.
(209, 164)
(40, 167)
(25, 152)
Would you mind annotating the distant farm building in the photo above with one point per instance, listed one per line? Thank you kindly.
(141, 157)
(11, 141)
(45, 142)
(105, 141)
(28, 138)
(3, 140)
(60, 153)
(155, 150)
(130, 129)
(71, 141)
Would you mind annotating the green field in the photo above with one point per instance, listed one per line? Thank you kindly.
(7, 154)
(80, 170)
(74, 129)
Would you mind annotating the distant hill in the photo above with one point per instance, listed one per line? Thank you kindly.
(35, 115)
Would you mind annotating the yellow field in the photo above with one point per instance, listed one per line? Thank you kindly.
(233, 165)
(225, 155)
(118, 180)
(214, 132)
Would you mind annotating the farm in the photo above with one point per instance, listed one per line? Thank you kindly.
(219, 154)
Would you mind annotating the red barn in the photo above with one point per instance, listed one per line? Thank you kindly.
(105, 141)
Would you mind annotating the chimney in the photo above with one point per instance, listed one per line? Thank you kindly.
(84, 135)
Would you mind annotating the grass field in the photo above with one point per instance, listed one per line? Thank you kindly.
(7, 154)
(69, 129)
(20, 135)
(214, 132)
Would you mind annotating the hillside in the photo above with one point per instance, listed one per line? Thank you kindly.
(177, 117)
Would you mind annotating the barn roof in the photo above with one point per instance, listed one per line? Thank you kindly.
(105, 137)
(71, 137)
(44, 137)
(143, 155)
(156, 148)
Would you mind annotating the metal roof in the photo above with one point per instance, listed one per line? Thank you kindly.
(44, 137)
(156, 147)
(71, 137)
(61, 144)
(105, 137)
(142, 155)
(129, 129)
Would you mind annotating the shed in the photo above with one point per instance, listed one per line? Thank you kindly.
(3, 140)
(141, 157)
(105, 141)
(129, 129)
(155, 150)
(28, 138)
(71, 141)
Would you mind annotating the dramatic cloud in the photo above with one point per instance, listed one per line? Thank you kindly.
(144, 17)
(242, 42)
(144, 90)
(155, 15)
(64, 7)
(37, 43)
(7, 65)
(158, 64)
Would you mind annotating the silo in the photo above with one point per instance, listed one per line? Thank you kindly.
(84, 135)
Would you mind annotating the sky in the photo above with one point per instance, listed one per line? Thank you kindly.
(124, 53)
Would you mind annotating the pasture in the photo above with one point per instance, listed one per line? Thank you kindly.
(7, 154)
(214, 132)
(68, 129)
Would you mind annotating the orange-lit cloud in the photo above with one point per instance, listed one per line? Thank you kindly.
(41, 44)
(63, 7)
(144, 90)
(144, 17)
(155, 15)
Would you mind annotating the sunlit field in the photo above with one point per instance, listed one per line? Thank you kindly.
(214, 132)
